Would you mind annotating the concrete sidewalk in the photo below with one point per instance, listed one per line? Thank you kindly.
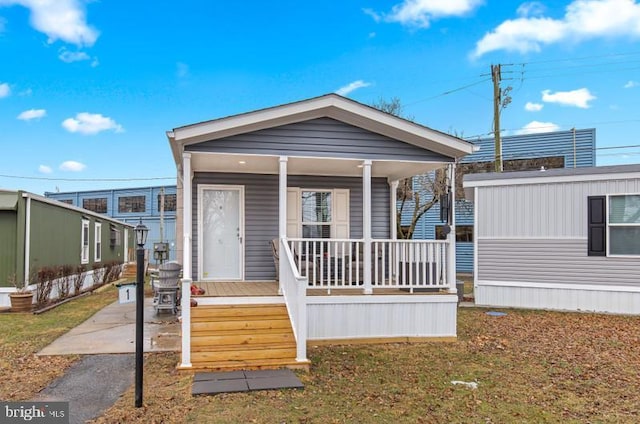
(113, 330)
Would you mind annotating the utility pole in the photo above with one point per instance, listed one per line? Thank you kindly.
(496, 77)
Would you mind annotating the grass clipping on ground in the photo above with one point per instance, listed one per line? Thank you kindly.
(529, 366)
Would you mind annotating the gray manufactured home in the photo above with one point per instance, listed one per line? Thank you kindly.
(288, 223)
(566, 239)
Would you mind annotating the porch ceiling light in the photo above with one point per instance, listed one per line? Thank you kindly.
(242, 162)
(141, 231)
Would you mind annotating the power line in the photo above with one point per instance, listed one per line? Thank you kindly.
(21, 177)
(570, 59)
(445, 93)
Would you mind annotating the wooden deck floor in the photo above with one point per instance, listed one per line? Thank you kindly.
(238, 288)
(251, 289)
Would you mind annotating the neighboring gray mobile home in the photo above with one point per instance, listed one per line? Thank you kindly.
(566, 239)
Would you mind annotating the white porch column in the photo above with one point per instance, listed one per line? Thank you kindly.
(451, 238)
(394, 209)
(282, 214)
(185, 306)
(366, 225)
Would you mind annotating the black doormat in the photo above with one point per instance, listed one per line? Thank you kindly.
(211, 383)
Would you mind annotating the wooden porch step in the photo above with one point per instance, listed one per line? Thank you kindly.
(247, 365)
(241, 337)
(129, 270)
(240, 312)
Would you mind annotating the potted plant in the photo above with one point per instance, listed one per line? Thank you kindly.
(22, 298)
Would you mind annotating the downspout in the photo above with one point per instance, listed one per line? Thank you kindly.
(27, 238)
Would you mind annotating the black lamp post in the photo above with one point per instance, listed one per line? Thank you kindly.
(141, 237)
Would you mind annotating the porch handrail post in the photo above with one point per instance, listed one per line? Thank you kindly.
(366, 225)
(282, 209)
(451, 257)
(185, 305)
(301, 328)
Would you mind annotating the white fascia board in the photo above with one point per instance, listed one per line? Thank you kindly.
(551, 179)
(331, 106)
(176, 148)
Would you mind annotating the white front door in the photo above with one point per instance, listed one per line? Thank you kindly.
(220, 219)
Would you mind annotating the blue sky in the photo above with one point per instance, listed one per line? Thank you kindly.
(89, 88)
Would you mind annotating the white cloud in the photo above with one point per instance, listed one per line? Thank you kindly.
(72, 165)
(69, 57)
(182, 70)
(583, 20)
(44, 169)
(533, 107)
(578, 98)
(420, 13)
(30, 114)
(532, 8)
(538, 127)
(91, 123)
(352, 86)
(59, 19)
(631, 84)
(5, 90)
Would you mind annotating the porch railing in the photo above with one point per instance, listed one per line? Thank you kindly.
(292, 285)
(339, 263)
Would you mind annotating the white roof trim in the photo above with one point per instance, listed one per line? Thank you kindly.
(542, 179)
(330, 106)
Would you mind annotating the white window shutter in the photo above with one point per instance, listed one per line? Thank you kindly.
(293, 212)
(340, 228)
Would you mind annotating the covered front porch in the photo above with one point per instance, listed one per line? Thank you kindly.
(313, 185)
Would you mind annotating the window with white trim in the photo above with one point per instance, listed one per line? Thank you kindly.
(624, 224)
(84, 243)
(316, 214)
(98, 242)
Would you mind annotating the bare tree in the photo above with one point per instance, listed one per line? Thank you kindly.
(418, 194)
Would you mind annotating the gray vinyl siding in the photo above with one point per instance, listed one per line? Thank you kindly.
(322, 137)
(261, 212)
(552, 210)
(557, 261)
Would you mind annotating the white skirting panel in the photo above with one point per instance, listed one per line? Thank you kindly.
(355, 317)
(621, 300)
